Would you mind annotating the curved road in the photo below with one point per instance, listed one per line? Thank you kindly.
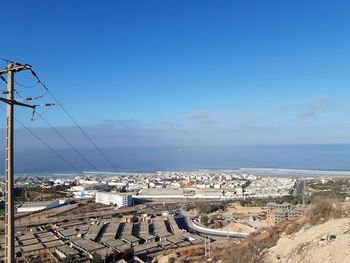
(207, 231)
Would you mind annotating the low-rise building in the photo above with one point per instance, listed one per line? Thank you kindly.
(109, 198)
(279, 212)
(28, 207)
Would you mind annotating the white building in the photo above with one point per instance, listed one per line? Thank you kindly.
(79, 192)
(76, 188)
(85, 194)
(28, 207)
(88, 181)
(108, 198)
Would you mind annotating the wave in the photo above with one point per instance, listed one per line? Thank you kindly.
(295, 172)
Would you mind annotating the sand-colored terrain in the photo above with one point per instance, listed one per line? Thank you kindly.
(328, 242)
(237, 227)
(236, 208)
(244, 213)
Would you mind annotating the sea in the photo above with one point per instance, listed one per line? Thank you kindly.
(276, 160)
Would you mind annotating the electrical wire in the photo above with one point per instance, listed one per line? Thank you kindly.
(40, 114)
(46, 145)
(75, 122)
(27, 86)
(67, 142)
(69, 115)
(70, 145)
(18, 92)
(9, 61)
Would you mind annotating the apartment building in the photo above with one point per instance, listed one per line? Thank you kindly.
(109, 198)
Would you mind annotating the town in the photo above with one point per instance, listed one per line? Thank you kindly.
(137, 216)
(166, 185)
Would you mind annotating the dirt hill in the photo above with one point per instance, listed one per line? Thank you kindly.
(328, 242)
(322, 235)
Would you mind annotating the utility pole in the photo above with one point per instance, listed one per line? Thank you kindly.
(209, 247)
(205, 248)
(9, 166)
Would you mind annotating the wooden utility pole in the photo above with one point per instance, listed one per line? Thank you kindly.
(9, 166)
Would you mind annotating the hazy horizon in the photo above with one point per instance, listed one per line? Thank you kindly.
(151, 159)
(140, 76)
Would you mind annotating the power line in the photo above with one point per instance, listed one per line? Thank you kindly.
(52, 127)
(10, 70)
(27, 86)
(66, 141)
(69, 144)
(8, 61)
(46, 144)
(75, 122)
(39, 114)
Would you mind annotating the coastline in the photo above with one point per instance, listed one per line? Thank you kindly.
(268, 172)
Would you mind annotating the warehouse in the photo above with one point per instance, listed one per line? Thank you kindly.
(28, 207)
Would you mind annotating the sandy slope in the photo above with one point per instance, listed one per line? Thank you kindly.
(328, 242)
(237, 227)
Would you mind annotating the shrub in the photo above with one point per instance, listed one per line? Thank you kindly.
(324, 210)
(245, 253)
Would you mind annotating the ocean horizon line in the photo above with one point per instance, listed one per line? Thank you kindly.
(259, 171)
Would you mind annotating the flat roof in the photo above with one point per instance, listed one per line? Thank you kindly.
(161, 191)
(25, 236)
(113, 193)
(130, 238)
(37, 204)
(118, 244)
(87, 244)
(67, 250)
(54, 243)
(44, 234)
(48, 238)
(28, 242)
(37, 246)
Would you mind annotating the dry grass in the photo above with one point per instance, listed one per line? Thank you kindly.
(253, 248)
(295, 226)
(324, 210)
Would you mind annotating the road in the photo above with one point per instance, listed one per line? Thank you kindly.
(192, 228)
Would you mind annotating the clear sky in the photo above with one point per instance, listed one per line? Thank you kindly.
(177, 73)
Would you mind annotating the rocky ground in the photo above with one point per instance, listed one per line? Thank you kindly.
(328, 242)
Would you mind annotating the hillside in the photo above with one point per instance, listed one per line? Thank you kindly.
(328, 242)
(322, 235)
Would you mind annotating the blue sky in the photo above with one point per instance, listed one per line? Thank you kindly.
(177, 73)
